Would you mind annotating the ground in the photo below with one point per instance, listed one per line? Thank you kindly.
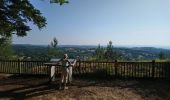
(33, 88)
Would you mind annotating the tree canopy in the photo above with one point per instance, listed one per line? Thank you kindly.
(16, 14)
(6, 51)
(99, 53)
(14, 18)
(61, 2)
(53, 48)
(108, 53)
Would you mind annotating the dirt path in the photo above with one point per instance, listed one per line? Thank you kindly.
(34, 88)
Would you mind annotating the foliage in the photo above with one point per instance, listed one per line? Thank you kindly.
(54, 43)
(161, 56)
(30, 51)
(40, 52)
(108, 53)
(61, 2)
(6, 51)
(15, 18)
(52, 49)
(111, 53)
(16, 14)
(162, 60)
(99, 53)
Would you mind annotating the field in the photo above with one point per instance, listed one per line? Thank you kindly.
(33, 88)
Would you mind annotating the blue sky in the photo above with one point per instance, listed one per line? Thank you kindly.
(90, 22)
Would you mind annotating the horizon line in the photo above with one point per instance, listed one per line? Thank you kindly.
(156, 46)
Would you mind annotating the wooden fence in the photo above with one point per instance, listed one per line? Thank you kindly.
(98, 69)
(23, 67)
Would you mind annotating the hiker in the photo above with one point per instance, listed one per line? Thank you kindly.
(70, 71)
(64, 71)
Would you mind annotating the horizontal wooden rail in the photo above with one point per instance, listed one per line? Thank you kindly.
(101, 69)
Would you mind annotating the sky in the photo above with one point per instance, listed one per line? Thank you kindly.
(93, 22)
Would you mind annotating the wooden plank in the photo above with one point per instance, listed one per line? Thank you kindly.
(153, 68)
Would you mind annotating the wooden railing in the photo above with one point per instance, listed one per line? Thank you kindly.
(100, 69)
(126, 69)
(23, 67)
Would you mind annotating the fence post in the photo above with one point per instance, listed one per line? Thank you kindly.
(19, 66)
(153, 68)
(116, 68)
(79, 67)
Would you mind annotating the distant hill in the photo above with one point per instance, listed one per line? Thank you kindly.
(133, 53)
(144, 52)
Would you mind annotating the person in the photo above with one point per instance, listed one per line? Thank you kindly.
(70, 71)
(65, 63)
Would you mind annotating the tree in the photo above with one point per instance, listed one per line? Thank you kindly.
(16, 14)
(52, 49)
(54, 43)
(14, 18)
(161, 55)
(6, 51)
(108, 53)
(111, 54)
(99, 53)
